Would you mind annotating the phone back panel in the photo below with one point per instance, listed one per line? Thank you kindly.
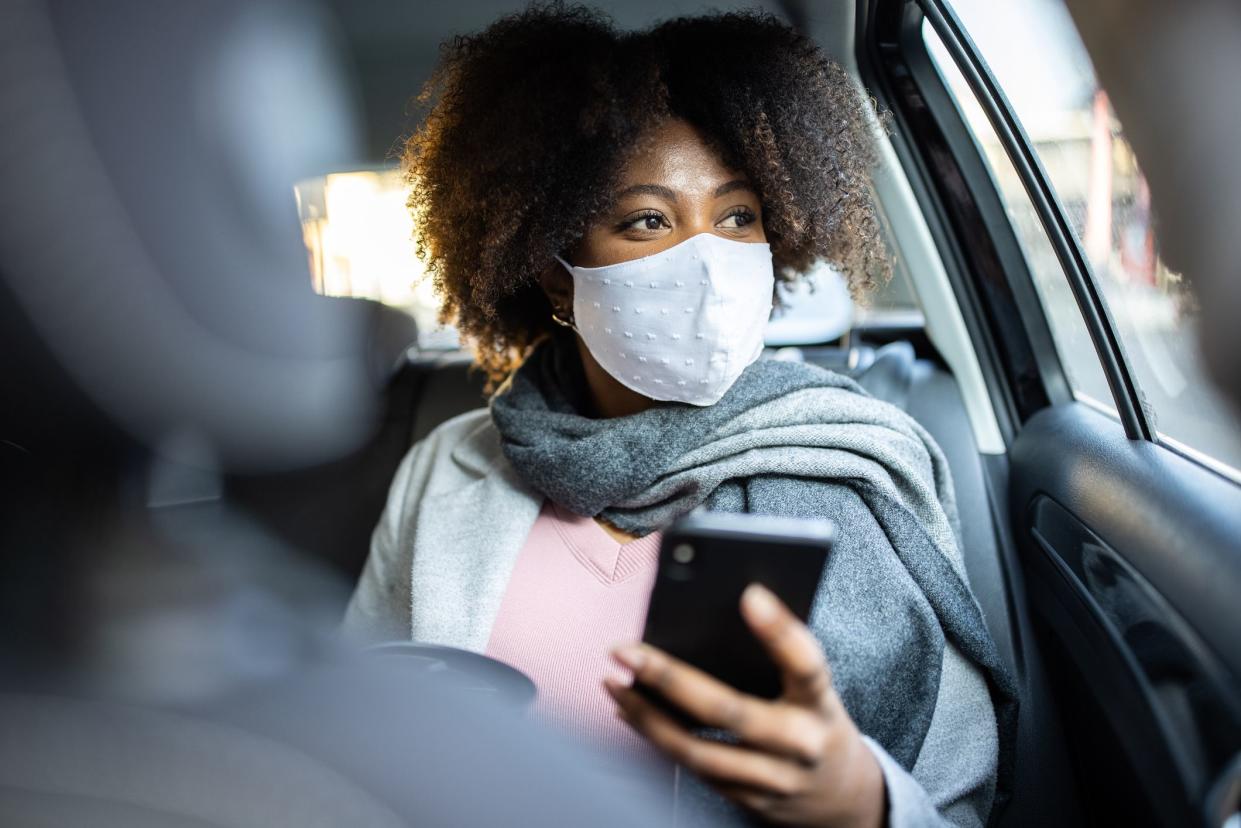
(706, 561)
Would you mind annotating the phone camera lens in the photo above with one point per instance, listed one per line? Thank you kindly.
(683, 553)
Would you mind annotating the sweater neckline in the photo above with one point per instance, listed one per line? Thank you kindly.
(607, 559)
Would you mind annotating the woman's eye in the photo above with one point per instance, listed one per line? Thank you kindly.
(739, 218)
(646, 222)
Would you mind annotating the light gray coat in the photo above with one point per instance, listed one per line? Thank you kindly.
(441, 556)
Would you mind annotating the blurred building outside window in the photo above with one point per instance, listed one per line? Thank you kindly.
(359, 243)
(1048, 80)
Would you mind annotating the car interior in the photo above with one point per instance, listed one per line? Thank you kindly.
(1103, 547)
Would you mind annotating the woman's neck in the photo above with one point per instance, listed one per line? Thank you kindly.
(609, 397)
(618, 535)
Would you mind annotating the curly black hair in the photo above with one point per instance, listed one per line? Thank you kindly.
(531, 121)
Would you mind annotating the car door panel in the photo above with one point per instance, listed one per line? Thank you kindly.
(1131, 559)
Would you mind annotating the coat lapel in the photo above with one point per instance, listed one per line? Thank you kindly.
(466, 542)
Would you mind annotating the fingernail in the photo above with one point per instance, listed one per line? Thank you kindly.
(760, 602)
(631, 656)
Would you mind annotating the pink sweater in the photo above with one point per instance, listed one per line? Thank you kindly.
(573, 595)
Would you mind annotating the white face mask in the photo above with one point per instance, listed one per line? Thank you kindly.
(680, 325)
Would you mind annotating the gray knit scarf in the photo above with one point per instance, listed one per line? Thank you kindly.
(787, 439)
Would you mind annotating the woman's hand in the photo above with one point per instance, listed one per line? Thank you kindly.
(801, 759)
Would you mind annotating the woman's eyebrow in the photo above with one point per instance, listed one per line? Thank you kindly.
(735, 184)
(648, 189)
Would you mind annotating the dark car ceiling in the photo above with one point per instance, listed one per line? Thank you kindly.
(393, 47)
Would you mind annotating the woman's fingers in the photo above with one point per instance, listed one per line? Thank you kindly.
(728, 764)
(807, 677)
(786, 730)
(802, 760)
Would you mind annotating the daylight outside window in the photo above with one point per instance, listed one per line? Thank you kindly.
(359, 242)
(1049, 81)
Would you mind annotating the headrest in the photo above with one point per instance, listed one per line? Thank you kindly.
(817, 308)
(148, 228)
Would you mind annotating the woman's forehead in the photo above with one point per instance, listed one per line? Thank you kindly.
(676, 155)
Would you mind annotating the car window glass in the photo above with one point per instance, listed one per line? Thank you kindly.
(359, 242)
(1050, 84)
(1073, 343)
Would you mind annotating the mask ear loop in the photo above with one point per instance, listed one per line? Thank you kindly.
(556, 313)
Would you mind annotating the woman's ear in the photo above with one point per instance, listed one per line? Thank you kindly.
(557, 284)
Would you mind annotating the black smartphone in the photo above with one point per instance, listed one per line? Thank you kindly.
(706, 560)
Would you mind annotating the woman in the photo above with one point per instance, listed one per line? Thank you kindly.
(604, 216)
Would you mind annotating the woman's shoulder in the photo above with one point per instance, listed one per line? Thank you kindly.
(456, 452)
(472, 426)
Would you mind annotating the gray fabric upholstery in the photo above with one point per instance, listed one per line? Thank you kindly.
(935, 402)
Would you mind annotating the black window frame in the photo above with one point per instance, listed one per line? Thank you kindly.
(951, 179)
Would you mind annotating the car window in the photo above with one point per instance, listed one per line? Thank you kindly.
(359, 242)
(1050, 84)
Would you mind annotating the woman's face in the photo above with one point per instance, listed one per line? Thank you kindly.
(675, 190)
(678, 188)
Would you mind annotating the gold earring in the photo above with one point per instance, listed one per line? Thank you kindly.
(562, 322)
